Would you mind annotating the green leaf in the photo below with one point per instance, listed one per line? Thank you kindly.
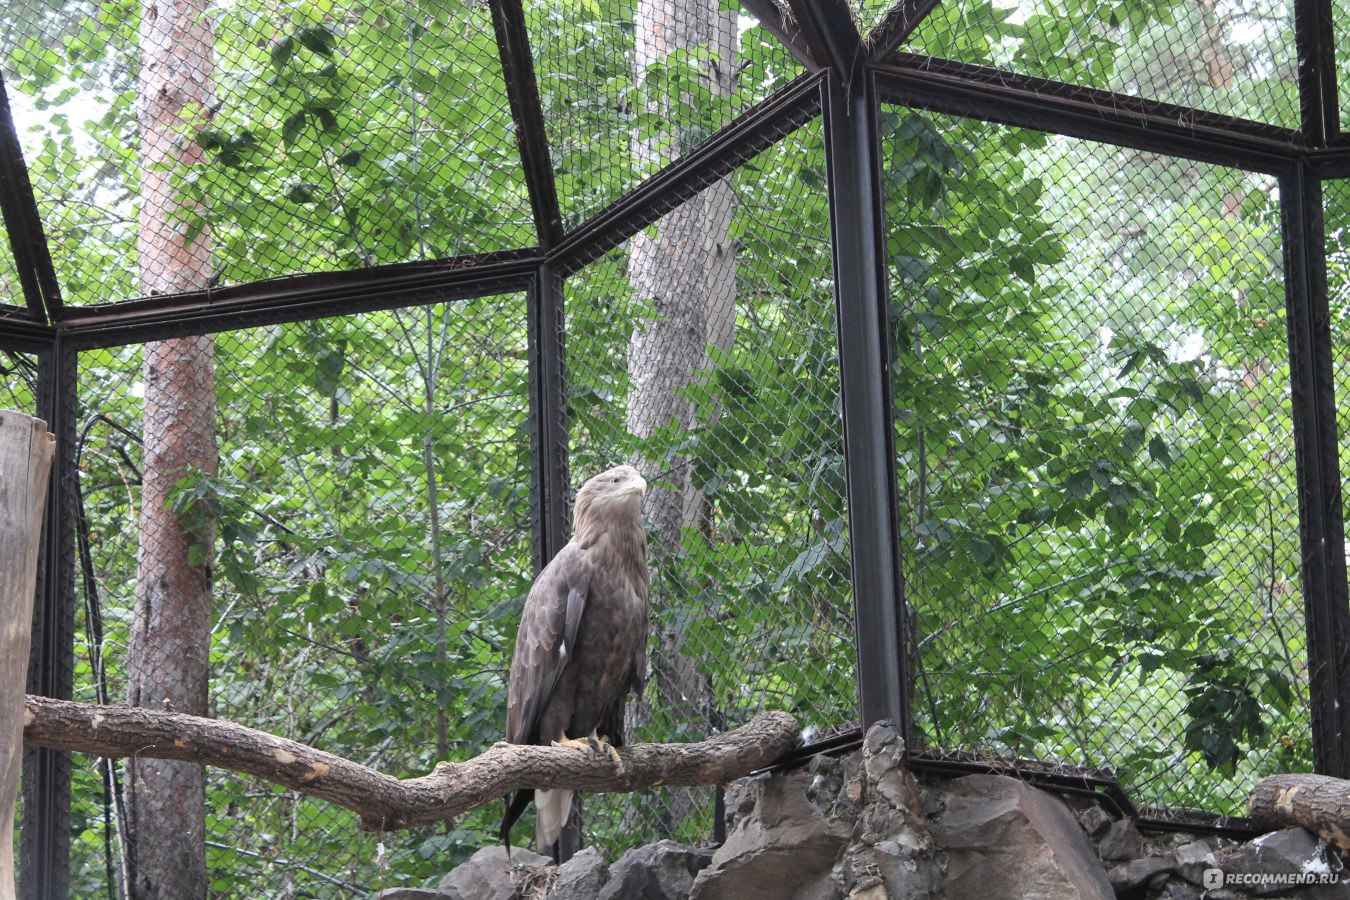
(282, 51)
(1157, 449)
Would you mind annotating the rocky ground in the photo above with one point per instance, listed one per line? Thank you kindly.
(864, 828)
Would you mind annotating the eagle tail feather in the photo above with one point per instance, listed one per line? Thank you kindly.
(515, 808)
(553, 808)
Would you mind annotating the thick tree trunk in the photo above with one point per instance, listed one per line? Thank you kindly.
(688, 274)
(167, 657)
(25, 464)
(386, 803)
(1318, 803)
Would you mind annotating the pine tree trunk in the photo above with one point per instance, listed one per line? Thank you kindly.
(170, 633)
(688, 274)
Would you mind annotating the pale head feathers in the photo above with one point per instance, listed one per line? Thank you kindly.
(612, 498)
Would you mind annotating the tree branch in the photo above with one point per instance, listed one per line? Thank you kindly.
(383, 802)
(1319, 803)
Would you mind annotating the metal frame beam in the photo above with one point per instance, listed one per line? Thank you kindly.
(23, 225)
(522, 91)
(548, 415)
(300, 297)
(771, 16)
(1312, 393)
(23, 335)
(1314, 40)
(828, 30)
(853, 166)
(44, 838)
(896, 27)
(1051, 106)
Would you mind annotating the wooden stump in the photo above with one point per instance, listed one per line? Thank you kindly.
(1318, 803)
(25, 462)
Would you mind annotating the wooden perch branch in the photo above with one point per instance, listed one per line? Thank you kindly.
(1319, 803)
(383, 802)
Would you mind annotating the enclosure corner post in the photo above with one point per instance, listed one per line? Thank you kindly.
(548, 414)
(1314, 37)
(44, 837)
(1321, 523)
(25, 462)
(852, 146)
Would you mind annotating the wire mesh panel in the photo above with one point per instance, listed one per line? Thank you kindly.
(11, 291)
(1336, 211)
(261, 139)
(372, 512)
(703, 352)
(18, 381)
(867, 14)
(630, 85)
(1234, 57)
(1099, 505)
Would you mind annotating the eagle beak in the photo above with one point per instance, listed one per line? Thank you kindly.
(640, 486)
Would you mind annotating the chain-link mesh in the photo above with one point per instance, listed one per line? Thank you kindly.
(629, 86)
(18, 382)
(1336, 213)
(372, 512)
(11, 291)
(1099, 498)
(252, 139)
(1234, 57)
(703, 353)
(867, 14)
(1341, 47)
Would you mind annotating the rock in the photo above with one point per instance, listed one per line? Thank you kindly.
(661, 871)
(1137, 873)
(403, 893)
(1194, 859)
(999, 835)
(488, 875)
(1179, 890)
(781, 844)
(1095, 821)
(1122, 841)
(581, 877)
(1292, 851)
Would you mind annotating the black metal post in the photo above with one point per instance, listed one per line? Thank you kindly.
(1319, 484)
(44, 836)
(522, 91)
(852, 153)
(548, 415)
(1314, 40)
(23, 225)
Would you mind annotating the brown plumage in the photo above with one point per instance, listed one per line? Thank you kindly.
(582, 643)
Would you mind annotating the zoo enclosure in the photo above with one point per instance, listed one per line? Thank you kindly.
(905, 275)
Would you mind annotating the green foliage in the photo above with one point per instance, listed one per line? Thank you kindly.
(1092, 421)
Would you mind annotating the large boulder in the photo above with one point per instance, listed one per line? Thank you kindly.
(892, 850)
(661, 871)
(490, 875)
(1290, 852)
(782, 843)
(1003, 839)
(581, 877)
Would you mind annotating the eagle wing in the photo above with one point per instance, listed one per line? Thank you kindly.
(548, 633)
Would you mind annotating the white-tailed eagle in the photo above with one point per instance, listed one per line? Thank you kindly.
(582, 643)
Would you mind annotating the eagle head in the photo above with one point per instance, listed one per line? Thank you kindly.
(612, 496)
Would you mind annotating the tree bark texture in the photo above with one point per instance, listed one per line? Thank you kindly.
(167, 656)
(1318, 803)
(383, 802)
(687, 273)
(26, 450)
